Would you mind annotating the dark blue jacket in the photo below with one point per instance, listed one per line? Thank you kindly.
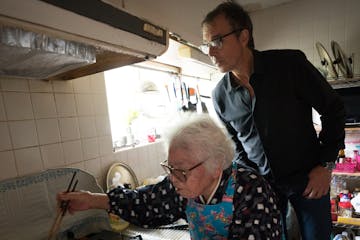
(287, 86)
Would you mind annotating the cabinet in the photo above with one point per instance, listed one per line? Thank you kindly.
(352, 180)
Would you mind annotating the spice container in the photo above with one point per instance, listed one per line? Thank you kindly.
(345, 208)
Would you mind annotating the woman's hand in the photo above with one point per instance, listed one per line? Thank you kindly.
(80, 201)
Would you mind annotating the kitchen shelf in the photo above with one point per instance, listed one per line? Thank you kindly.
(347, 175)
(345, 225)
(345, 82)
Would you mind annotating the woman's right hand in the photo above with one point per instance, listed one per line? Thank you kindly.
(80, 201)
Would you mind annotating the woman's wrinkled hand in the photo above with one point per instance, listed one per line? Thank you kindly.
(78, 201)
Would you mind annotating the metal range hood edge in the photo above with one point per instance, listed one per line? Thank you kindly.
(114, 46)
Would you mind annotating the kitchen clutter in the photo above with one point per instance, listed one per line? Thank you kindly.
(345, 203)
(348, 164)
(345, 209)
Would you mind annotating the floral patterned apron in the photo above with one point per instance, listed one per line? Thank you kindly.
(212, 221)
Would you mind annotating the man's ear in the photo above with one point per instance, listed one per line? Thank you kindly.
(244, 37)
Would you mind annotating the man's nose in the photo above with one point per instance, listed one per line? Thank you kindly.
(212, 51)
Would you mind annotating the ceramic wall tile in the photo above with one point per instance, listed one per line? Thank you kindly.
(7, 163)
(63, 86)
(69, 128)
(2, 109)
(100, 104)
(105, 145)
(40, 86)
(97, 83)
(134, 162)
(121, 156)
(52, 155)
(87, 127)
(19, 85)
(23, 133)
(73, 152)
(44, 105)
(18, 105)
(48, 131)
(93, 166)
(82, 85)
(5, 141)
(65, 104)
(84, 104)
(106, 162)
(79, 165)
(102, 125)
(90, 148)
(28, 160)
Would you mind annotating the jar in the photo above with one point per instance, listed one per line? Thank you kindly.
(345, 209)
(345, 196)
(334, 209)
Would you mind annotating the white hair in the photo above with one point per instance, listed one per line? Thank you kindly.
(203, 138)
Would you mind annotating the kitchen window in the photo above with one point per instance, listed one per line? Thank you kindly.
(140, 102)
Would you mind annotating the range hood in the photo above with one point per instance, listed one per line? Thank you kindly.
(67, 39)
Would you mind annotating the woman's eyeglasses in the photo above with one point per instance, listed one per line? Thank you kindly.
(217, 42)
(180, 174)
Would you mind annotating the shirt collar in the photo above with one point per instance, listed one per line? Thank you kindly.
(221, 188)
(258, 70)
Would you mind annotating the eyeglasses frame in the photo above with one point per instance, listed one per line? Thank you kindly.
(184, 172)
(217, 42)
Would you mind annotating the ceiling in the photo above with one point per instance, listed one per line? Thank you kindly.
(257, 5)
(184, 17)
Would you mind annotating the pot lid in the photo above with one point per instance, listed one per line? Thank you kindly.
(120, 174)
(326, 61)
(342, 60)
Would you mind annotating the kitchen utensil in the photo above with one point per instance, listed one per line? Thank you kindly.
(63, 208)
(343, 62)
(121, 174)
(326, 61)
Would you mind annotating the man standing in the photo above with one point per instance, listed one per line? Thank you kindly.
(265, 100)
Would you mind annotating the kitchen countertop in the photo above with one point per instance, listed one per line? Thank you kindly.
(134, 232)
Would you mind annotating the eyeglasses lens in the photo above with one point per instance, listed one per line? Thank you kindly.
(216, 43)
(177, 173)
(204, 48)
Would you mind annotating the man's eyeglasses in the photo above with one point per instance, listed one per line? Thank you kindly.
(180, 174)
(217, 42)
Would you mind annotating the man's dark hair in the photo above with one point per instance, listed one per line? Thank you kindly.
(237, 17)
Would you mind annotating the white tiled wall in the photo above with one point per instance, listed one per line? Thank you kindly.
(63, 124)
(300, 24)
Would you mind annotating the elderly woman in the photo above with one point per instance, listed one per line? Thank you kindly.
(219, 199)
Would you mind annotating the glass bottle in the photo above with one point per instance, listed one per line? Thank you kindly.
(341, 156)
(357, 159)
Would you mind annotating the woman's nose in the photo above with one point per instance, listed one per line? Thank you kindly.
(173, 179)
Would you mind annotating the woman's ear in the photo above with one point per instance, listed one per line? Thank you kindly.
(220, 167)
